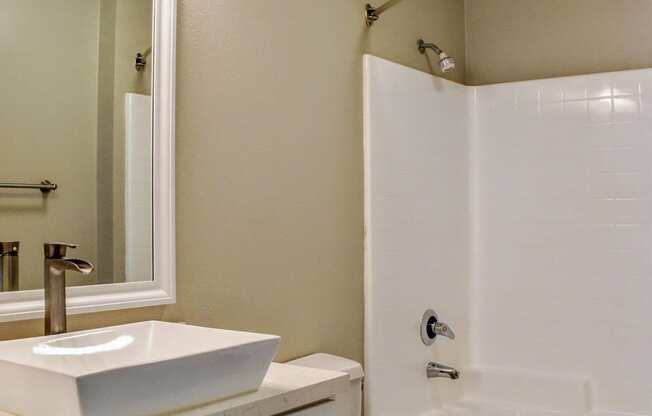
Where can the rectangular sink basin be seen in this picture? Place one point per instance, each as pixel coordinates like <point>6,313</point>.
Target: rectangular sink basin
<point>140,369</point>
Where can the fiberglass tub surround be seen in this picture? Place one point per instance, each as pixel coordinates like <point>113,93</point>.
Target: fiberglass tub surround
<point>522,214</point>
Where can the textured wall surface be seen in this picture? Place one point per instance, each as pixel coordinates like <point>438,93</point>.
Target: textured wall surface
<point>269,164</point>
<point>105,92</point>
<point>515,40</point>
<point>270,161</point>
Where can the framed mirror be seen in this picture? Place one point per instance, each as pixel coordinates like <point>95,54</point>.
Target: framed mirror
<point>87,128</point>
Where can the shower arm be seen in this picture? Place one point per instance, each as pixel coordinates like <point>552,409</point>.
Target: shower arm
<point>141,59</point>
<point>423,46</point>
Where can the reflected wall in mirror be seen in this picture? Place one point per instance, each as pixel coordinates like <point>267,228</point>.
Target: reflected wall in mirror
<point>76,110</point>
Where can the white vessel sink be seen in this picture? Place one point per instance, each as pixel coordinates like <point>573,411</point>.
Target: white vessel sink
<point>139,369</point>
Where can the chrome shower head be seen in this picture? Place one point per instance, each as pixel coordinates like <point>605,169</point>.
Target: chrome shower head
<point>446,63</point>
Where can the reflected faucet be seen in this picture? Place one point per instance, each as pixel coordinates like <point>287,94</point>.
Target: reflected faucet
<point>56,264</point>
<point>436,370</point>
<point>9,266</point>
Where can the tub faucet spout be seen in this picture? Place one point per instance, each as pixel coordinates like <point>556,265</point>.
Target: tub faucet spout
<point>436,370</point>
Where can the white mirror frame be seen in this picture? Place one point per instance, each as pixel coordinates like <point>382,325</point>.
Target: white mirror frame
<point>162,289</point>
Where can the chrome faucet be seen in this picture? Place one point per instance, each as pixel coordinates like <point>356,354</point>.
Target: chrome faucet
<point>436,370</point>
<point>56,264</point>
<point>9,266</point>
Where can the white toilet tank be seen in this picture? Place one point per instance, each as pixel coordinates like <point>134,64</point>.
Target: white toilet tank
<point>350,402</point>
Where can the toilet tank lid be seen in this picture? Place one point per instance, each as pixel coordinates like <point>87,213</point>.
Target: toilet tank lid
<point>332,363</point>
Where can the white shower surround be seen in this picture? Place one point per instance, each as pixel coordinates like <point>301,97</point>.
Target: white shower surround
<point>522,213</point>
<point>138,145</point>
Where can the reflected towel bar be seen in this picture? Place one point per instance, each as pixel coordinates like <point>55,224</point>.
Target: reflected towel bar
<point>45,186</point>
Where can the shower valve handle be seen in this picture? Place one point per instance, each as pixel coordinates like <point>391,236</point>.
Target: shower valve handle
<point>440,328</point>
<point>431,327</point>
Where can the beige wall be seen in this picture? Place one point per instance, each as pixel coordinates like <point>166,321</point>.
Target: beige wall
<point>512,40</point>
<point>105,92</point>
<point>48,127</point>
<point>269,148</point>
<point>269,164</point>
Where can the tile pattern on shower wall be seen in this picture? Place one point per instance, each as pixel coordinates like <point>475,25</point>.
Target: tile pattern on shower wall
<point>563,199</point>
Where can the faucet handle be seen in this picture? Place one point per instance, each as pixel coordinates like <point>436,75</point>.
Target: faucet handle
<point>56,250</point>
<point>431,327</point>
<point>443,329</point>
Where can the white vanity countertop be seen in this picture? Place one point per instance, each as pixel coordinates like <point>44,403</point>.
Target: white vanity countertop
<point>286,387</point>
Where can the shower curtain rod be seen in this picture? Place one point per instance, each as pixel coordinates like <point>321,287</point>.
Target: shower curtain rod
<point>373,13</point>
<point>141,59</point>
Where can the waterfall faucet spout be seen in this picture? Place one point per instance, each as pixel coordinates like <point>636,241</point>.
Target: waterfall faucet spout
<point>55,266</point>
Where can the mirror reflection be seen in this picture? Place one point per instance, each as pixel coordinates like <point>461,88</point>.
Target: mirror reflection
<point>75,128</point>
